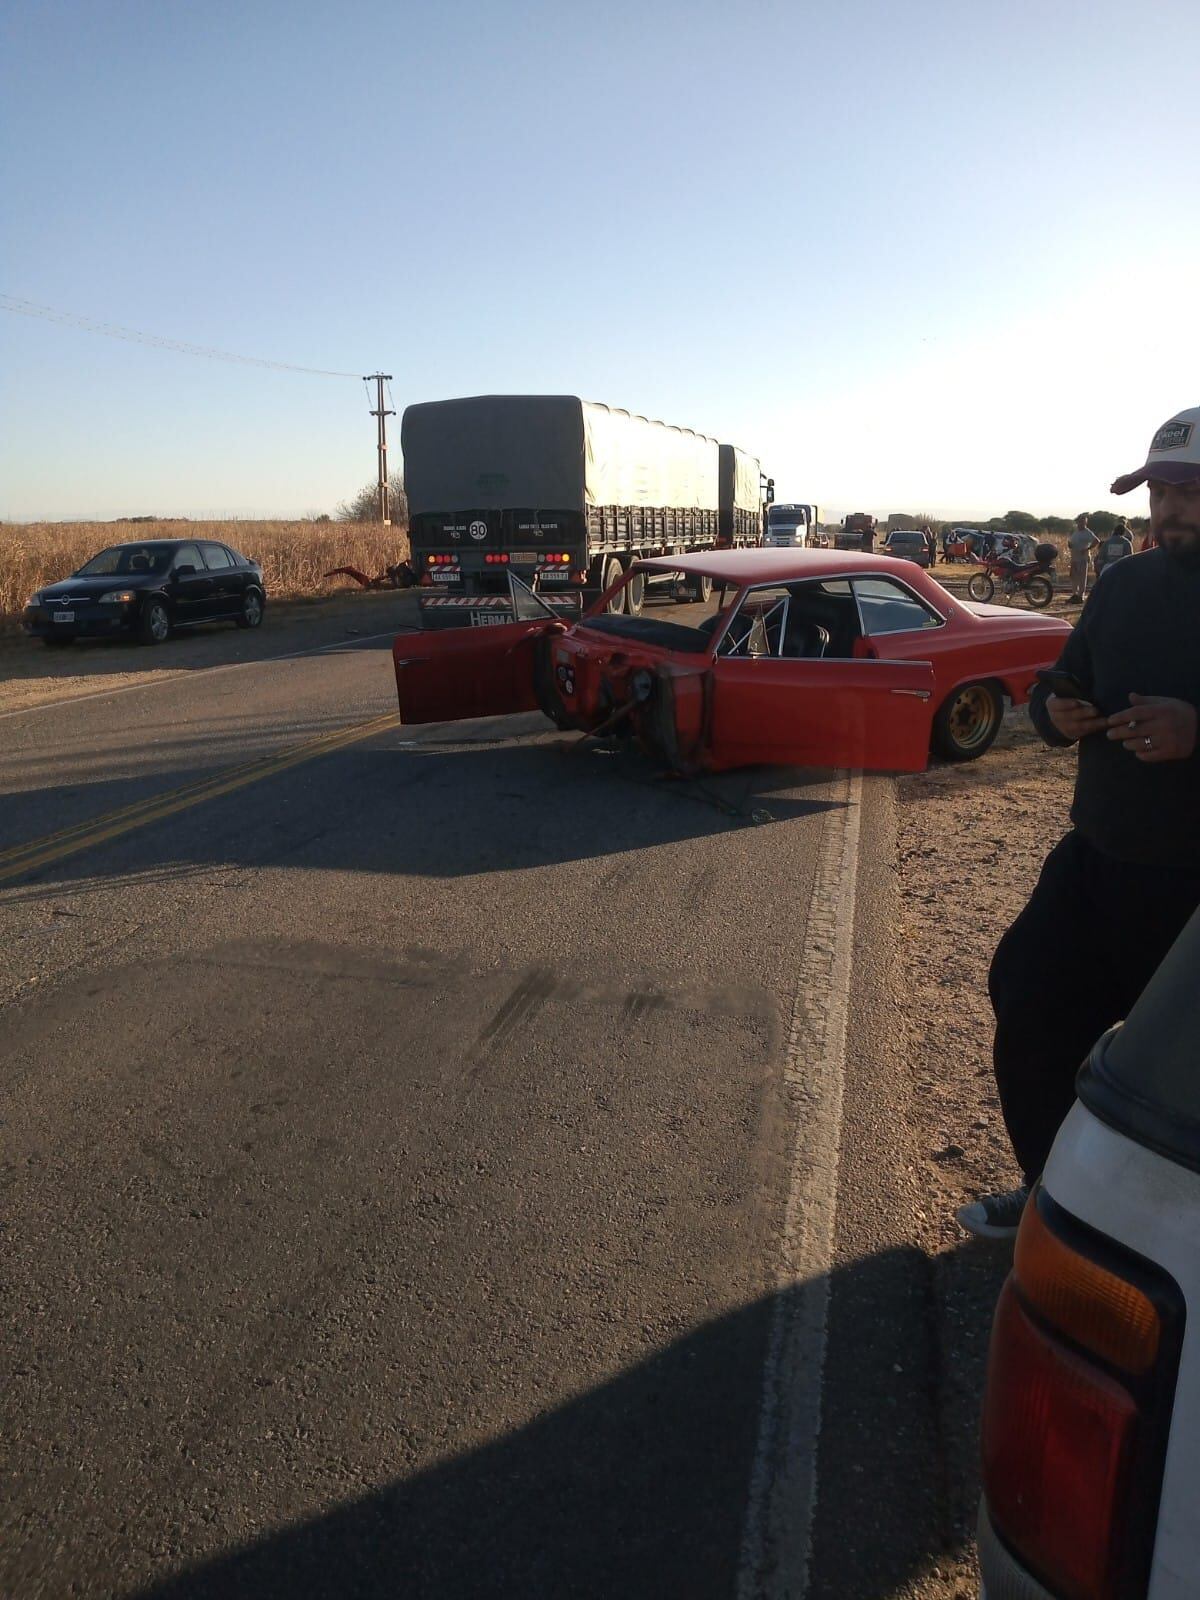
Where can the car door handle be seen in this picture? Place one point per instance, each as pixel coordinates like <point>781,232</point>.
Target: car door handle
<point>917,694</point>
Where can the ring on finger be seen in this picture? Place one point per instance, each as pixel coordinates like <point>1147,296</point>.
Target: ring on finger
<point>1147,743</point>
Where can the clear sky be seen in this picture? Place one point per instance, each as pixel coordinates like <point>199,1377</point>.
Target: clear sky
<point>937,255</point>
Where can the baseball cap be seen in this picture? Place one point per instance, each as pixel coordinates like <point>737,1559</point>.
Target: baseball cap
<point>1174,454</point>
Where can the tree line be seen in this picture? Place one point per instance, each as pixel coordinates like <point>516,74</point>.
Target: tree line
<point>1101,522</point>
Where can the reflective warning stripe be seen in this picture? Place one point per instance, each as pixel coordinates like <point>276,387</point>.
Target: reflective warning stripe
<point>464,600</point>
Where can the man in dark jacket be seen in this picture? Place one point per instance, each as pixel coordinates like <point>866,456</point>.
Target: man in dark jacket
<point>1116,891</point>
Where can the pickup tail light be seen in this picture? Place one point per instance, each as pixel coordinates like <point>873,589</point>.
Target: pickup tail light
<point>1081,1375</point>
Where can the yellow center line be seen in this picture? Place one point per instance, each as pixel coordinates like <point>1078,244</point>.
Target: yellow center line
<point>53,847</point>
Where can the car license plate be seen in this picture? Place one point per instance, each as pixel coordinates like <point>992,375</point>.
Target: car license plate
<point>64,616</point>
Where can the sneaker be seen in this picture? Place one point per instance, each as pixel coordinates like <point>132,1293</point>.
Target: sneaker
<point>996,1216</point>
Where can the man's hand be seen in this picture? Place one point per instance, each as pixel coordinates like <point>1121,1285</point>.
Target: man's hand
<point>1155,728</point>
<point>1074,719</point>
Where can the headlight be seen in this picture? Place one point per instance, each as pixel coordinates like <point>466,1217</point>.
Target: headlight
<point>117,597</point>
<point>34,599</point>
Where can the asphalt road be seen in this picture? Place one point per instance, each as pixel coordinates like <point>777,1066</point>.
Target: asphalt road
<point>421,1156</point>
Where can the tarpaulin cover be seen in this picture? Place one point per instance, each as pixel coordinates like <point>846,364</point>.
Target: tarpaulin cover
<point>740,479</point>
<point>555,452</point>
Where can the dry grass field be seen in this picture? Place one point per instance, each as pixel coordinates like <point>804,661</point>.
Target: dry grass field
<point>293,554</point>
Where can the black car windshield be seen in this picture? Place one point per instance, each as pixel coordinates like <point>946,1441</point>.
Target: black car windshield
<point>127,560</point>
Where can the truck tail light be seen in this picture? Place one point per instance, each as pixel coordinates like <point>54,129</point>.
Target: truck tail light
<point>496,558</point>
<point>1081,1374</point>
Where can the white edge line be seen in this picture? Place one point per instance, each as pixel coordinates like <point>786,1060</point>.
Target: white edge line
<point>198,672</point>
<point>777,1533</point>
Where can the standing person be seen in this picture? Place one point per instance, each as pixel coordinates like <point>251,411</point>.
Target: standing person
<point>1116,547</point>
<point>1081,543</point>
<point>1116,891</point>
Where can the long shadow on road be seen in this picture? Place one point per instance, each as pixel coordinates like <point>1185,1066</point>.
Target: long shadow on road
<point>438,813</point>
<point>639,1487</point>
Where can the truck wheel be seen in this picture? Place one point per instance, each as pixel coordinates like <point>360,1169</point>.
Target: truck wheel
<point>968,721</point>
<point>695,591</point>
<point>635,594</point>
<point>612,572</point>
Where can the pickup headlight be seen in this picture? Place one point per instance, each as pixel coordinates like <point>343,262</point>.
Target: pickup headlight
<point>118,597</point>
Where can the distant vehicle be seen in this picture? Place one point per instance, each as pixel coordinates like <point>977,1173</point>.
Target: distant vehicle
<point>790,526</point>
<point>148,589</point>
<point>851,533</point>
<point>1091,1418</point>
<point>909,544</point>
<point>821,659</point>
<point>565,493</point>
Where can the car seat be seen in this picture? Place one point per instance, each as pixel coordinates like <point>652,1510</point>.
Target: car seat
<point>806,639</point>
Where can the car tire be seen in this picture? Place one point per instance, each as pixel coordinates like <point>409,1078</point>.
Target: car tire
<point>981,586</point>
<point>635,594</point>
<point>1039,592</point>
<point>154,623</point>
<point>251,614</point>
<point>968,721</point>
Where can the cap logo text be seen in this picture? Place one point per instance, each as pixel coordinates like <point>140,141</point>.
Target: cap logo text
<point>1171,436</point>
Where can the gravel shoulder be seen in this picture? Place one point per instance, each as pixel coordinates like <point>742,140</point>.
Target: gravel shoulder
<point>971,842</point>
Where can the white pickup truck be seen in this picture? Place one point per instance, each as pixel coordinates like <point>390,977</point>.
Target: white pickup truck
<point>1091,1429</point>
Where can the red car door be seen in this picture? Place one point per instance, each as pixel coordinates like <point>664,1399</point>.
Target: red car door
<point>468,672</point>
<point>873,715</point>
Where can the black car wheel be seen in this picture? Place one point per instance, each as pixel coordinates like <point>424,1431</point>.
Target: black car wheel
<point>154,623</point>
<point>252,609</point>
<point>968,722</point>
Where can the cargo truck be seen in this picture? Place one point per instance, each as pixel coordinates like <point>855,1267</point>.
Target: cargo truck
<point>564,494</point>
<point>791,524</point>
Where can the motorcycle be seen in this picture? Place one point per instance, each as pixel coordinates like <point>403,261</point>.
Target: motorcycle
<point>1032,579</point>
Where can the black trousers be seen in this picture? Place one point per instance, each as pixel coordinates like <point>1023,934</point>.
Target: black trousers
<point>1071,966</point>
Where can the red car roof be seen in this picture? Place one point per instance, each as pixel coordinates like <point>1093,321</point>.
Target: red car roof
<point>778,566</point>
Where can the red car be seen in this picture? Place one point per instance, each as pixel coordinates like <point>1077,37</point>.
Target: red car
<point>815,658</point>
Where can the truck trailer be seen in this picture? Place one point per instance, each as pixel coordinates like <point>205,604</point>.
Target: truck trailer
<point>564,494</point>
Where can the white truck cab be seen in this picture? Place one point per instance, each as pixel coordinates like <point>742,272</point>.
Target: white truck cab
<point>790,525</point>
<point>1091,1428</point>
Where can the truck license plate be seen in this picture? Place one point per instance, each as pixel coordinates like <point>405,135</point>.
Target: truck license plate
<point>524,555</point>
<point>445,575</point>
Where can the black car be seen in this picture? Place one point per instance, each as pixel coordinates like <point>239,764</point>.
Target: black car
<point>148,589</point>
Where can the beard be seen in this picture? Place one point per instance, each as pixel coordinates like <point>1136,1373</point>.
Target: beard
<point>1181,544</point>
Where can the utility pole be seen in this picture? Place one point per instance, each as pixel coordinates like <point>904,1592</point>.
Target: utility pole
<point>379,379</point>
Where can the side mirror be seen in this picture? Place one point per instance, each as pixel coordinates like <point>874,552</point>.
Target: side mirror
<point>186,571</point>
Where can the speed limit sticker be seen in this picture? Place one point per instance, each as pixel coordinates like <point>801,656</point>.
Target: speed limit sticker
<point>478,530</point>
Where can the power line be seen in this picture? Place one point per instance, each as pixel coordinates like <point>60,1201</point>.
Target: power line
<point>29,308</point>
